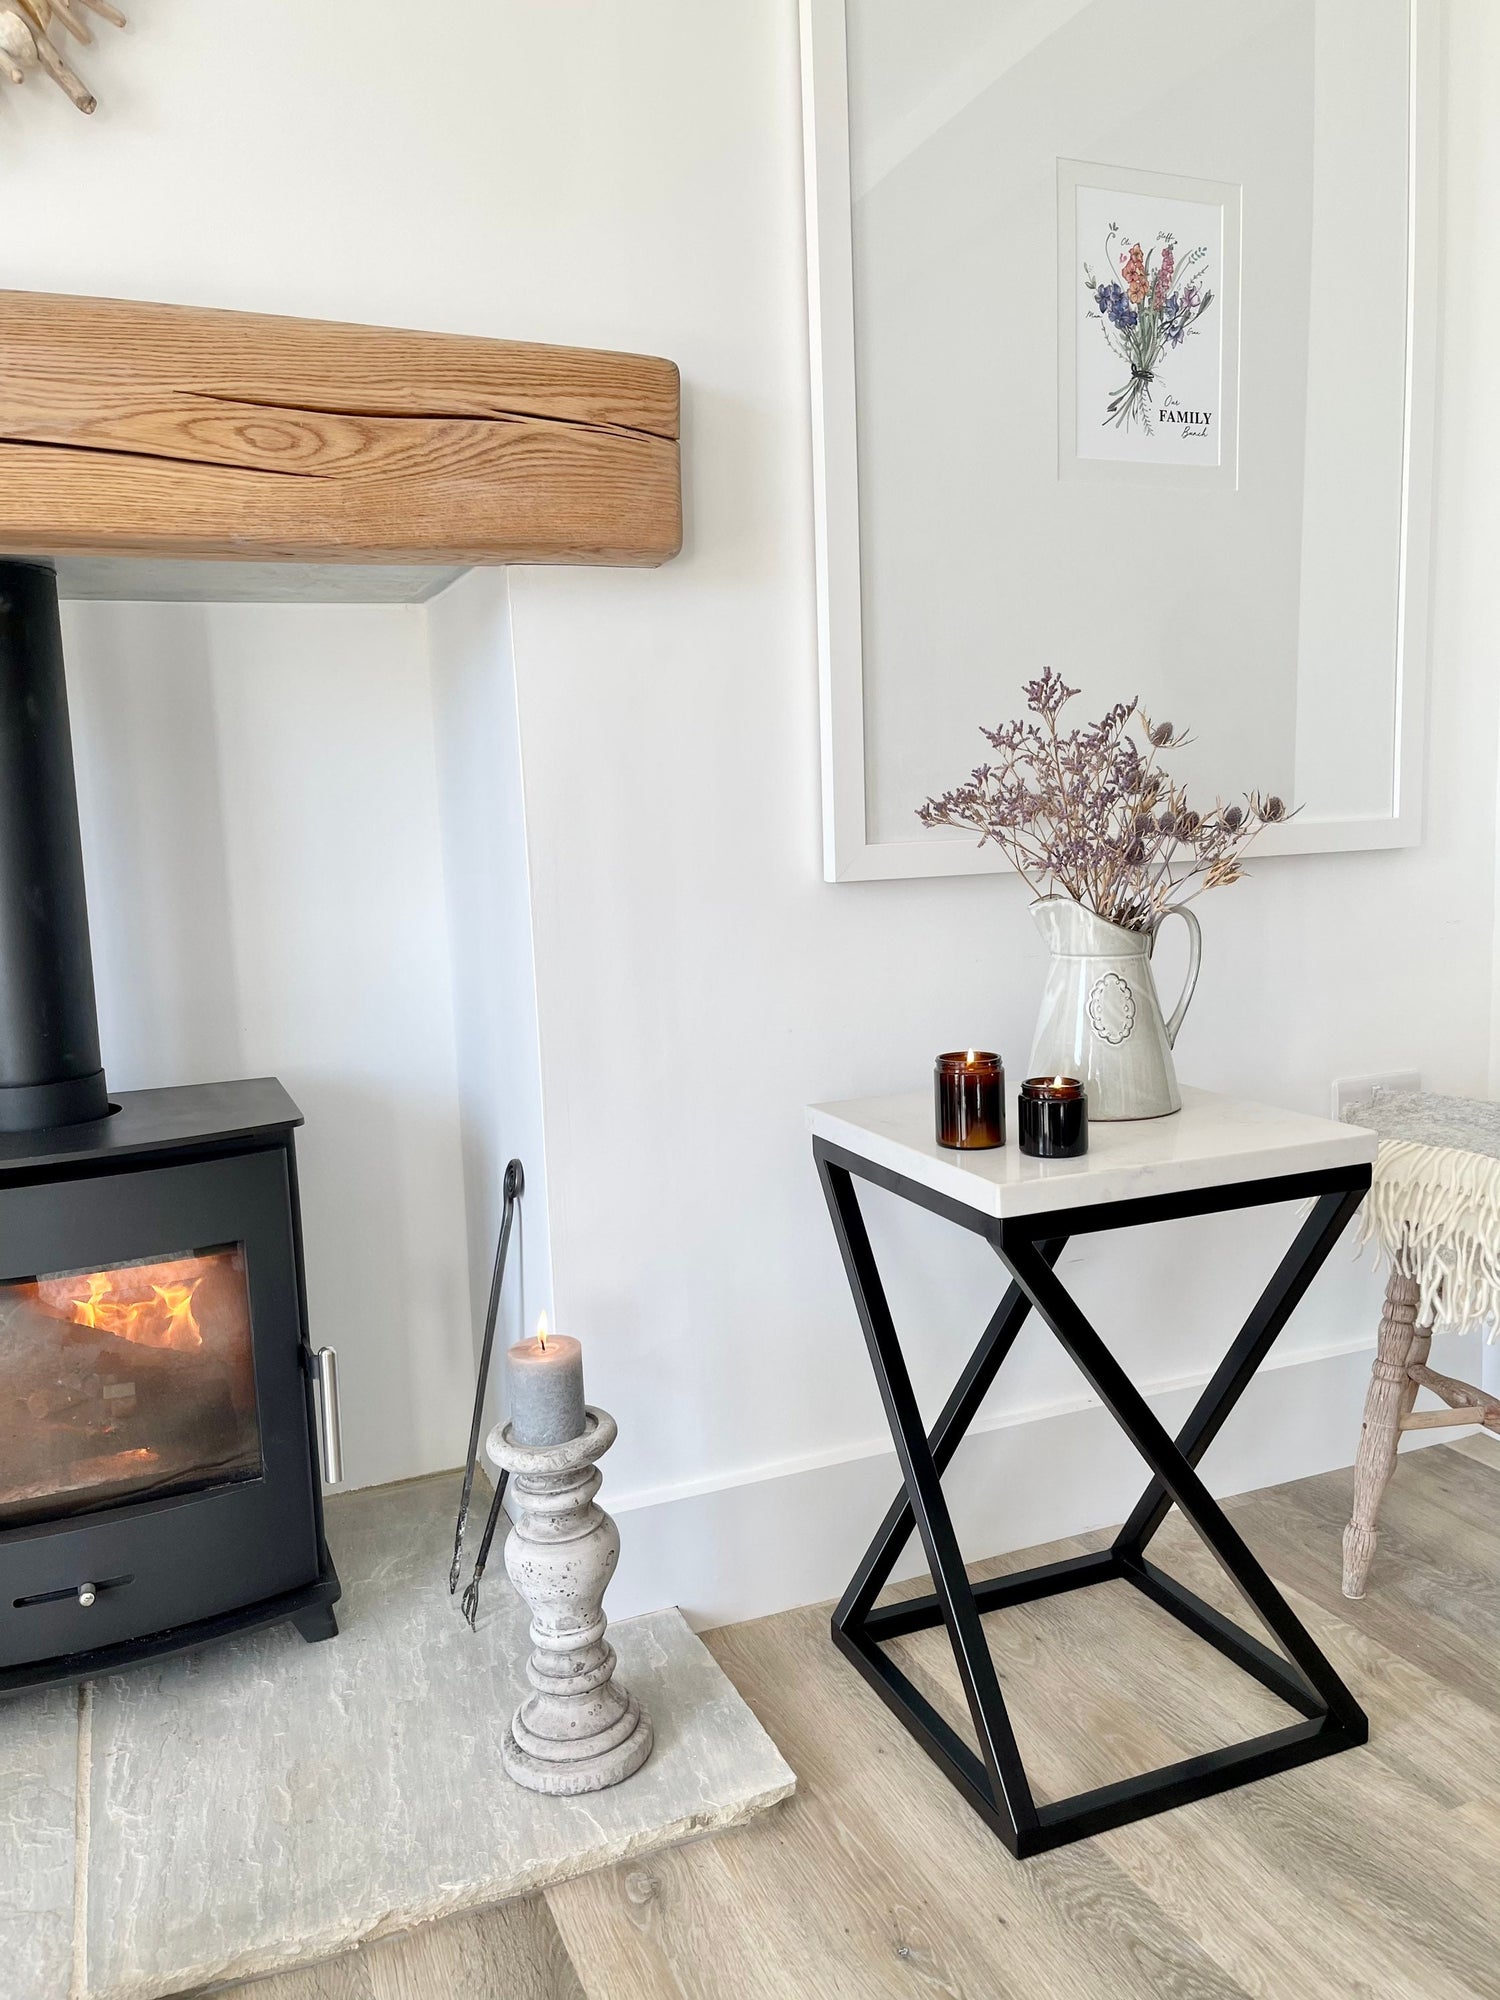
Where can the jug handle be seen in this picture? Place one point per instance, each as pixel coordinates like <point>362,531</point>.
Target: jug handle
<point>1195,954</point>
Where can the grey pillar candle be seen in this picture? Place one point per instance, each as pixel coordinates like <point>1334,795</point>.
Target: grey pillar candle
<point>546,1388</point>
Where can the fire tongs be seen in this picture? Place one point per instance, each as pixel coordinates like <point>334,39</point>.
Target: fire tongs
<point>515,1187</point>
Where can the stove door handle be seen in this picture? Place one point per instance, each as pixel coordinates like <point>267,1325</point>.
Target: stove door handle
<point>330,1430</point>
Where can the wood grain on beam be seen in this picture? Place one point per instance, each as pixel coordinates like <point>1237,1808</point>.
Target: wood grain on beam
<point>131,429</point>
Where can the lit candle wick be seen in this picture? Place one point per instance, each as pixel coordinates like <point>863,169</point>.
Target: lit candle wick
<point>970,1057</point>
<point>541,1332</point>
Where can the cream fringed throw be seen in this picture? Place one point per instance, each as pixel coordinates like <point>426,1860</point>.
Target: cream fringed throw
<point>1434,1208</point>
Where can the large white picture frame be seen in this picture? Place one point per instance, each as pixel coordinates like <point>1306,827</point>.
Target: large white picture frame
<point>850,851</point>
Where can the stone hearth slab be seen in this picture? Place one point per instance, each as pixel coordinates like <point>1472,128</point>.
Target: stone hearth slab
<point>38,1839</point>
<point>265,1802</point>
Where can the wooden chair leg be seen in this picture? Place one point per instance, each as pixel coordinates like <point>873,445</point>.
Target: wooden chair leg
<point>1402,1346</point>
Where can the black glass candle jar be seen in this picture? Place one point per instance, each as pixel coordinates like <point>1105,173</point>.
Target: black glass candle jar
<point>968,1087</point>
<point>1053,1115</point>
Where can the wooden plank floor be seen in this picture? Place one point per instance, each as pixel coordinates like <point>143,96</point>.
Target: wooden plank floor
<point>1373,1874</point>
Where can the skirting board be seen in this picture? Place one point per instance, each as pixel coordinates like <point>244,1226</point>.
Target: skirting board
<point>790,1535</point>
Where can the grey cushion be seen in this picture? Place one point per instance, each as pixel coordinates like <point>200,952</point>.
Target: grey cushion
<point>1423,1118</point>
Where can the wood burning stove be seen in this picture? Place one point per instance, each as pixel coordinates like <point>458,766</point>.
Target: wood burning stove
<point>158,1426</point>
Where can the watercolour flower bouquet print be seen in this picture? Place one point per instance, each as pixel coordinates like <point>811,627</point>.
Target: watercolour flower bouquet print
<point>1145,315</point>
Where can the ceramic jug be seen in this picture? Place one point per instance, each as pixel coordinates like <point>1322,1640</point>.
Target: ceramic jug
<point>1100,1017</point>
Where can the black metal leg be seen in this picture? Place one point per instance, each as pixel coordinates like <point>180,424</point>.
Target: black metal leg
<point>998,1787</point>
<point>1010,1789</point>
<point>1330,1216</point>
<point>960,1410</point>
<point>319,1621</point>
<point>1177,1477</point>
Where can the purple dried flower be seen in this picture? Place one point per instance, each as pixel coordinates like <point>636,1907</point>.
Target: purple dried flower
<point>1083,813</point>
<point>1046,695</point>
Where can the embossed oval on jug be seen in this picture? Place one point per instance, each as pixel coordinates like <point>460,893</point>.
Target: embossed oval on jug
<point>1112,1008</point>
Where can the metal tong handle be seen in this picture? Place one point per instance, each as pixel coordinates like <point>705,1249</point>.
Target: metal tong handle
<point>515,1187</point>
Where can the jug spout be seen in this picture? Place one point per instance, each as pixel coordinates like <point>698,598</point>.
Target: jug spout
<point>1047,915</point>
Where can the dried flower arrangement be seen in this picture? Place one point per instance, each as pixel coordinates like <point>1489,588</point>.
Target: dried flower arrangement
<point>1089,814</point>
<point>24,42</point>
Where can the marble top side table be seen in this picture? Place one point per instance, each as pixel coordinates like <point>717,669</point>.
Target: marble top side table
<point>1215,1155</point>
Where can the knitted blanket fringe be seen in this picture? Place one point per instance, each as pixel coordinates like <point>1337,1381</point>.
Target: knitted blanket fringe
<point>1435,1212</point>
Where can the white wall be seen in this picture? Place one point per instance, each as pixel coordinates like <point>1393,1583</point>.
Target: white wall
<point>697,982</point>
<point>258,798</point>
<point>482,810</point>
<point>1474,210</point>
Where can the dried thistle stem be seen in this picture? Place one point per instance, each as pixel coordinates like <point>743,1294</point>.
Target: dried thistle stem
<point>1090,813</point>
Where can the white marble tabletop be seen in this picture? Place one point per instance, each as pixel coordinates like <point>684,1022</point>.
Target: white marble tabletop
<point>1212,1142</point>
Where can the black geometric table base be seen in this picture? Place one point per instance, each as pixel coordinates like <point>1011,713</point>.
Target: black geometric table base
<point>995,1782</point>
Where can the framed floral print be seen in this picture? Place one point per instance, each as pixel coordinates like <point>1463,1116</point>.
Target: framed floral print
<point>1148,316</point>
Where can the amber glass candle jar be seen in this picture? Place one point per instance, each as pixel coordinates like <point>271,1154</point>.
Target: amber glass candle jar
<point>969,1098</point>
<point>1052,1113</point>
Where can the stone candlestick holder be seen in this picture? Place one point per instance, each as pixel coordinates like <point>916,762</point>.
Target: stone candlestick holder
<point>579,1730</point>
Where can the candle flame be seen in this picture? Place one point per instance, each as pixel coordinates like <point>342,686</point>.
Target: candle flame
<point>1058,1082</point>
<point>541,1332</point>
<point>971,1057</point>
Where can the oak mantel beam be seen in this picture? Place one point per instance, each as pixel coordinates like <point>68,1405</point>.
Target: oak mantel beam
<point>150,430</point>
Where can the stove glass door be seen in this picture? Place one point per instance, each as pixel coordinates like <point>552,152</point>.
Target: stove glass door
<point>129,1382</point>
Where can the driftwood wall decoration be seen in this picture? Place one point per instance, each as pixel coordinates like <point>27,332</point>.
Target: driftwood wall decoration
<point>26,28</point>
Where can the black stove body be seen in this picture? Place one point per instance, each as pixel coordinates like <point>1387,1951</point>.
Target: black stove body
<point>159,1427</point>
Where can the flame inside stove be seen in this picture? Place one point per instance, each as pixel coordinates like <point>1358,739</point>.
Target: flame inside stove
<point>149,1305</point>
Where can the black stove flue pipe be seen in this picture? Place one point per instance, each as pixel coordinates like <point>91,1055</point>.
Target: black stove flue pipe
<point>50,1069</point>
